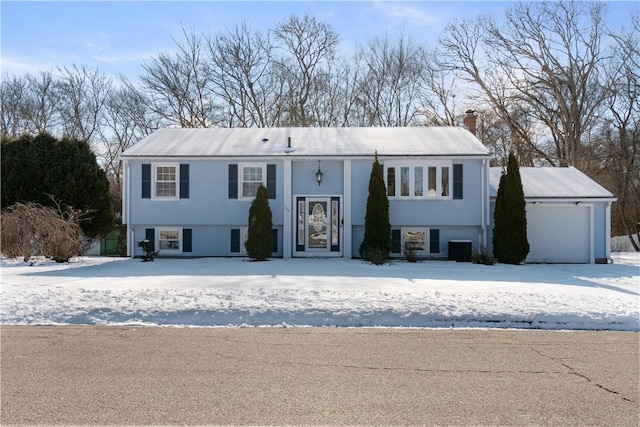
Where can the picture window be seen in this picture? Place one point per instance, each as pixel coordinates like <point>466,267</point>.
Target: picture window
<point>418,181</point>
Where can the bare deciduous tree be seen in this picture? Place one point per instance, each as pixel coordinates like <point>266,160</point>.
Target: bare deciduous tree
<point>438,91</point>
<point>332,100</point>
<point>179,85</point>
<point>81,94</point>
<point>30,229</point>
<point>126,119</point>
<point>545,56</point>
<point>41,108</point>
<point>389,89</point>
<point>13,99</point>
<point>463,51</point>
<point>551,55</point>
<point>240,70</point>
<point>618,139</point>
<point>308,47</point>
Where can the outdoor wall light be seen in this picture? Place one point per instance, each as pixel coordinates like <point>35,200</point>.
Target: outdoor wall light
<point>319,174</point>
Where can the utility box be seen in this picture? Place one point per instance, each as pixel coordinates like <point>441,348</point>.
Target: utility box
<point>460,250</point>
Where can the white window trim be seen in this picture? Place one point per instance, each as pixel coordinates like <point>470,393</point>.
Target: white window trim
<point>169,251</point>
<point>241,167</point>
<point>438,164</point>
<point>154,176</point>
<point>404,230</point>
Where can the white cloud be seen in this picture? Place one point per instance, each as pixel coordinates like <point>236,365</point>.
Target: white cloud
<point>408,13</point>
<point>84,41</point>
<point>117,58</point>
<point>17,65</point>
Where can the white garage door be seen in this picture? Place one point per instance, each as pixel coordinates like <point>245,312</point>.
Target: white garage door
<point>558,233</point>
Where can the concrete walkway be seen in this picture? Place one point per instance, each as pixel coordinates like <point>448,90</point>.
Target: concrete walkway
<point>317,376</point>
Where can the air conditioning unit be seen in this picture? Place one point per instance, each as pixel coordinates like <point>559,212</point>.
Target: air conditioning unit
<point>460,250</point>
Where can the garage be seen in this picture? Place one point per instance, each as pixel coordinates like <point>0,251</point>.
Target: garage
<point>568,215</point>
<point>560,234</point>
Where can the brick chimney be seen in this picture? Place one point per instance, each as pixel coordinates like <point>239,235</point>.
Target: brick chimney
<point>469,121</point>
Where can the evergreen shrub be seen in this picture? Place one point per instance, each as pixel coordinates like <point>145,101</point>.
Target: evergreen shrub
<point>259,242</point>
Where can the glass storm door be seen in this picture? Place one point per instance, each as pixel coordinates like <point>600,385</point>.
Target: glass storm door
<point>318,224</point>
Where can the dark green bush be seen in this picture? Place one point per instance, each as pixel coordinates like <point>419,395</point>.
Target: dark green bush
<point>510,244</point>
<point>376,244</point>
<point>149,253</point>
<point>259,242</point>
<point>482,257</point>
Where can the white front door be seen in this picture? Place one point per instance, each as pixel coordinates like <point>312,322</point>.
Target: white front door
<point>318,226</point>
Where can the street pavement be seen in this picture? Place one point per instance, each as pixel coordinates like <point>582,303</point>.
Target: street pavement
<point>86,375</point>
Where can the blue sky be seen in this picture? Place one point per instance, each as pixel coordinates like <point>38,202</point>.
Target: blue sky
<point>118,36</point>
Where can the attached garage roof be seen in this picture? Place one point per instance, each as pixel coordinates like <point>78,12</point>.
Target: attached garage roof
<point>339,142</point>
<point>556,183</point>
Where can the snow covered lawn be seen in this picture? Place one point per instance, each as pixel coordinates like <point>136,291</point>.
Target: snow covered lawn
<point>322,292</point>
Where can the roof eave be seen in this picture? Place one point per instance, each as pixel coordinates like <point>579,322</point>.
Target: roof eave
<point>301,156</point>
<point>566,199</point>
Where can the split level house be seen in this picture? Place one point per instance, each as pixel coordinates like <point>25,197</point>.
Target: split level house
<point>188,191</point>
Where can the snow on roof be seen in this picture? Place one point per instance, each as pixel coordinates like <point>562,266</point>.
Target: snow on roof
<point>552,182</point>
<point>268,142</point>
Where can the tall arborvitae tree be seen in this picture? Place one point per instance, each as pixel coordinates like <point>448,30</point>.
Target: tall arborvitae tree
<point>49,172</point>
<point>510,244</point>
<point>259,242</point>
<point>377,229</point>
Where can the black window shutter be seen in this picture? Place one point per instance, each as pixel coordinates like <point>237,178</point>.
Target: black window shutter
<point>187,235</point>
<point>457,181</point>
<point>271,181</point>
<point>434,241</point>
<point>146,181</point>
<point>235,240</point>
<point>233,182</point>
<point>150,235</point>
<point>274,240</point>
<point>396,241</point>
<point>184,181</point>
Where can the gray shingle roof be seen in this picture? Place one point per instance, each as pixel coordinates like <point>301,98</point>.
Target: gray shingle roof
<point>342,142</point>
<point>550,182</point>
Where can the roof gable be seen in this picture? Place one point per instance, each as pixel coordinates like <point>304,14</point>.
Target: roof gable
<point>552,182</point>
<point>268,142</point>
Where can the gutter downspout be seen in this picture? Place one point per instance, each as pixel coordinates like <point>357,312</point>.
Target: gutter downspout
<point>485,196</point>
<point>607,233</point>
<point>126,206</point>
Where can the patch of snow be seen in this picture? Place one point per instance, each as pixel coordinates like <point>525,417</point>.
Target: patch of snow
<point>622,243</point>
<point>321,292</point>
